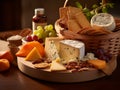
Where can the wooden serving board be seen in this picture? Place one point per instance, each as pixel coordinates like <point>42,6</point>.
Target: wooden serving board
<point>63,77</point>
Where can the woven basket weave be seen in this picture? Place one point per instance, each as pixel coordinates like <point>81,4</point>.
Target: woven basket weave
<point>110,42</point>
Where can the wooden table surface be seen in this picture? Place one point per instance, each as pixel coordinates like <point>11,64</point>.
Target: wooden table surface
<point>14,79</point>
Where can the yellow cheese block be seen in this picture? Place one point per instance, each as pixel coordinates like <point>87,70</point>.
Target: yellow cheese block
<point>57,66</point>
<point>33,55</point>
<point>99,64</point>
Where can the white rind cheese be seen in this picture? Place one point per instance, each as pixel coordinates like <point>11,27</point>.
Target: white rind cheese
<point>71,50</point>
<point>104,20</point>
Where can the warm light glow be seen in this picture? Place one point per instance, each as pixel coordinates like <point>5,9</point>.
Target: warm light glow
<point>65,3</point>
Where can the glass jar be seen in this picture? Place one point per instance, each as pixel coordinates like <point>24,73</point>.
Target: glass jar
<point>39,18</point>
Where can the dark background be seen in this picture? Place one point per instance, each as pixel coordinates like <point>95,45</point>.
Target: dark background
<point>17,14</point>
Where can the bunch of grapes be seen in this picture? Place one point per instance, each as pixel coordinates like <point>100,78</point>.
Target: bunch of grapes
<point>102,54</point>
<point>41,33</point>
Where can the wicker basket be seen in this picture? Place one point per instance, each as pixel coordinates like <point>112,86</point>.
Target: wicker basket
<point>110,42</point>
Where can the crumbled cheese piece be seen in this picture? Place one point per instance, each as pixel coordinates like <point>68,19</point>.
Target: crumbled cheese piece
<point>89,56</point>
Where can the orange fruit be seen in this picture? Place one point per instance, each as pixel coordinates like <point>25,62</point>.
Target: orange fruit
<point>4,64</point>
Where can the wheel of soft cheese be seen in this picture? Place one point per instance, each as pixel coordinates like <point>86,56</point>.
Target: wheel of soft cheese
<point>104,20</point>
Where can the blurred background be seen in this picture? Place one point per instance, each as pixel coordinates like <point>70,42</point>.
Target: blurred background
<point>17,14</point>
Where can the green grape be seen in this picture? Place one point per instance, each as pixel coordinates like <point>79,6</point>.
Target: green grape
<point>45,34</point>
<point>52,33</point>
<point>40,36</point>
<point>39,27</point>
<point>46,27</point>
<point>35,32</point>
<point>40,31</point>
<point>49,27</point>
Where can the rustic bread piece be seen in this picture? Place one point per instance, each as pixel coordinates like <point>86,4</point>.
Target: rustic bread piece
<point>75,21</point>
<point>72,11</point>
<point>73,26</point>
<point>82,20</point>
<point>63,12</point>
<point>73,18</point>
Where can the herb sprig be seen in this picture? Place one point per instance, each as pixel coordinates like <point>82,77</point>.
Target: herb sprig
<point>102,7</point>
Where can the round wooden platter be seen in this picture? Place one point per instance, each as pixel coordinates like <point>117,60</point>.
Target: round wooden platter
<point>62,77</point>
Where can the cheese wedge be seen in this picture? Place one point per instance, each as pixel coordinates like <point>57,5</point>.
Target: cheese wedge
<point>33,55</point>
<point>71,50</point>
<point>27,47</point>
<point>57,66</point>
<point>52,47</point>
<point>99,64</point>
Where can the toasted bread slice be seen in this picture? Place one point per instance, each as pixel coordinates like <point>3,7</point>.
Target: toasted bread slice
<point>82,20</point>
<point>73,26</point>
<point>72,11</point>
<point>63,12</point>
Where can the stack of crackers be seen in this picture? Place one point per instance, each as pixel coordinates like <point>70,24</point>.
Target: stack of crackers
<point>73,20</point>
